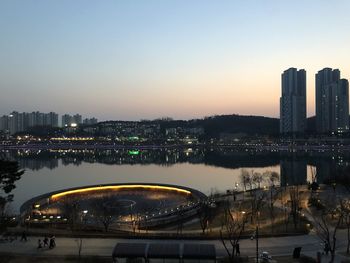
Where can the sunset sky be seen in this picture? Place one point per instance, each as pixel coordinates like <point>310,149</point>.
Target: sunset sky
<point>146,59</point>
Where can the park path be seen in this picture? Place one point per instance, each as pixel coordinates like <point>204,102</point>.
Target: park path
<point>276,246</point>
<point>104,246</point>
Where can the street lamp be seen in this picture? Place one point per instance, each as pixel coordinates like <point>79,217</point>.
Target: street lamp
<point>257,238</point>
<point>83,218</point>
<point>243,220</point>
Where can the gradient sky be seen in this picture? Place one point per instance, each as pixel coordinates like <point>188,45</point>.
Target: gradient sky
<point>147,59</point>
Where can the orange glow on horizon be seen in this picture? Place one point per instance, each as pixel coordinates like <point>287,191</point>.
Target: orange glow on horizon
<point>119,187</point>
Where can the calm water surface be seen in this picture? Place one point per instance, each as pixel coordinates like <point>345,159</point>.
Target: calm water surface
<point>205,170</point>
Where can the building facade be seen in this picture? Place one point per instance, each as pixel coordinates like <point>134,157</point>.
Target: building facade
<point>90,121</point>
<point>22,121</point>
<point>68,120</point>
<point>332,102</point>
<point>293,101</point>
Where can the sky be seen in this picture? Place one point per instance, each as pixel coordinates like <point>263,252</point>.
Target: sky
<point>131,60</point>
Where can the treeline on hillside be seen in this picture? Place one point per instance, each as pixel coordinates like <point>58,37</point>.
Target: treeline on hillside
<point>216,125</point>
<point>250,125</point>
<point>213,126</point>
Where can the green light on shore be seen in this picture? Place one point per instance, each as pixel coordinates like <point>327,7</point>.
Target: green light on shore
<point>134,152</point>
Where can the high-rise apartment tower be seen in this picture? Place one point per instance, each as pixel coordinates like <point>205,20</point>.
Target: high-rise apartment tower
<point>293,102</point>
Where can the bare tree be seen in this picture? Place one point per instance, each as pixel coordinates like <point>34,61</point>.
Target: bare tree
<point>326,225</point>
<point>205,215</point>
<point>274,191</point>
<point>71,209</point>
<point>105,210</point>
<point>257,199</point>
<point>295,204</point>
<point>232,229</point>
<point>245,178</point>
<point>257,179</point>
<point>345,210</point>
<point>73,213</point>
<point>253,180</point>
<point>180,222</point>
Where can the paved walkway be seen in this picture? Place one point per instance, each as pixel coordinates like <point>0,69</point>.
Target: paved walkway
<point>281,246</point>
<point>104,247</point>
<point>278,246</point>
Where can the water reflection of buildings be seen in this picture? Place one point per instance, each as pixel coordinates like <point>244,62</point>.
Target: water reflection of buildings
<point>329,166</point>
<point>32,160</point>
<point>226,158</point>
<point>35,165</point>
<point>293,171</point>
<point>293,166</point>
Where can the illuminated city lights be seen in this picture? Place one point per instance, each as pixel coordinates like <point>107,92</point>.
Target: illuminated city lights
<point>119,187</point>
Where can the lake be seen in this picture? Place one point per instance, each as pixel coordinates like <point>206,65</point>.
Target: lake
<point>207,170</point>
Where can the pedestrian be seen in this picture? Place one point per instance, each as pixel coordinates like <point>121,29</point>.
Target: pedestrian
<point>326,248</point>
<point>46,241</point>
<point>52,242</point>
<point>253,236</point>
<point>238,252</point>
<point>24,236</point>
<point>40,244</point>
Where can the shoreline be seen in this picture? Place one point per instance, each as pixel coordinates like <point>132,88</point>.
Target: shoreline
<point>113,146</point>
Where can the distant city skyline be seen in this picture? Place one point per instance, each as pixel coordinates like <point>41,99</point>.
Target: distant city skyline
<point>132,60</point>
<point>22,121</point>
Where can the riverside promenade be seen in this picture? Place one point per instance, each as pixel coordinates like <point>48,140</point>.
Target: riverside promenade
<point>104,246</point>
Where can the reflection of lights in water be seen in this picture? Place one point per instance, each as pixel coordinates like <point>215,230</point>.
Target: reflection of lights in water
<point>134,152</point>
<point>119,187</point>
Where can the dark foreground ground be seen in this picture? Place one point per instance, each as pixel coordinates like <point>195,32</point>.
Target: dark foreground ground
<point>94,259</point>
<point>55,259</point>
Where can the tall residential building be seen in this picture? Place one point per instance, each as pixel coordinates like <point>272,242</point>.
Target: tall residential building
<point>51,119</point>
<point>90,121</point>
<point>332,101</point>
<point>66,120</point>
<point>293,101</point>
<point>18,122</point>
<point>4,123</point>
<point>293,171</point>
<point>77,119</point>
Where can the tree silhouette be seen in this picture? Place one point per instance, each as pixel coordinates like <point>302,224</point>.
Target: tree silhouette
<point>10,172</point>
<point>232,229</point>
<point>105,211</point>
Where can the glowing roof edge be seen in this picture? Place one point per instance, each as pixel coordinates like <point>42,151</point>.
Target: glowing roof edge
<point>117,187</point>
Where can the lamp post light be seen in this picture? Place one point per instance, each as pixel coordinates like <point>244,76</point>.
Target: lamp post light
<point>257,238</point>
<point>257,243</point>
<point>131,212</point>
<point>243,219</point>
<point>83,218</point>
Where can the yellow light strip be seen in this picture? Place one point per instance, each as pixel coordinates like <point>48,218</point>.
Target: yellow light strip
<point>119,187</point>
